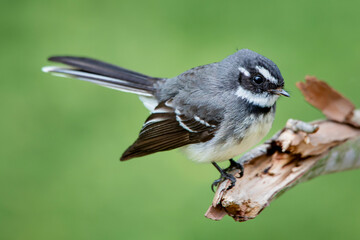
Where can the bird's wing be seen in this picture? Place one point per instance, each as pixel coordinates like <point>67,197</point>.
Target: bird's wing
<point>167,128</point>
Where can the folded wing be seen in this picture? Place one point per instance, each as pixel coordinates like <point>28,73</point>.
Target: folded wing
<point>167,128</point>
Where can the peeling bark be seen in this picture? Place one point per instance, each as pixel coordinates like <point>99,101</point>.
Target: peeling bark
<point>333,105</point>
<point>299,152</point>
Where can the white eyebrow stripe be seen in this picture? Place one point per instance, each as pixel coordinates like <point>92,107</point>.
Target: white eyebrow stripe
<point>259,99</point>
<point>244,71</point>
<point>267,74</point>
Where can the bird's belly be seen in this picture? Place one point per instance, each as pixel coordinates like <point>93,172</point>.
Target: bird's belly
<point>216,151</point>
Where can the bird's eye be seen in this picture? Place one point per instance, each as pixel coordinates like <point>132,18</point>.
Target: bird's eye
<point>258,79</point>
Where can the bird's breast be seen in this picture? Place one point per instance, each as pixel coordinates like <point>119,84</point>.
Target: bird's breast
<point>218,149</point>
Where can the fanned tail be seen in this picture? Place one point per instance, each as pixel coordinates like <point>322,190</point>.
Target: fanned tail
<point>103,74</point>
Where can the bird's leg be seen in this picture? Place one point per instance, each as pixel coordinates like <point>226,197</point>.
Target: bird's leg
<point>224,175</point>
<point>235,165</point>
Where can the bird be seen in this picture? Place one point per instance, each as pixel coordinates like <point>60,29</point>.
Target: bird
<point>212,112</point>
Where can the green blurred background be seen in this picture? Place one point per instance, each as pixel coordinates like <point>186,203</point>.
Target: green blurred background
<point>61,139</point>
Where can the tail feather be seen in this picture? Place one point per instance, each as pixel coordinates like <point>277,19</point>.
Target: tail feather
<point>104,74</point>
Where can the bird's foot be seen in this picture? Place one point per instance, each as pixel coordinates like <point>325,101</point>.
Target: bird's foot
<point>235,165</point>
<point>224,176</point>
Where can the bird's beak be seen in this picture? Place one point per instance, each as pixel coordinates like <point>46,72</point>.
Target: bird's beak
<point>280,92</point>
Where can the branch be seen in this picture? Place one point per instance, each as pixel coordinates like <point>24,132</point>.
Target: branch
<point>298,153</point>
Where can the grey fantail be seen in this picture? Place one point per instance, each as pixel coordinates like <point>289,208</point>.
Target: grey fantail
<point>213,112</point>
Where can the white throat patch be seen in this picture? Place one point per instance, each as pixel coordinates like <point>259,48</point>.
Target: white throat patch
<point>259,99</point>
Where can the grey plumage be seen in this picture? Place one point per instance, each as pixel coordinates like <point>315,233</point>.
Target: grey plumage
<point>214,112</point>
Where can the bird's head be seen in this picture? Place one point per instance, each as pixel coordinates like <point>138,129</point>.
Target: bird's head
<point>257,78</point>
